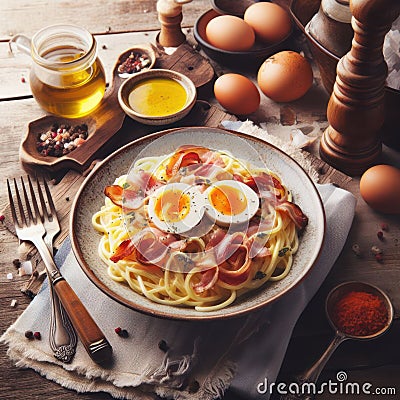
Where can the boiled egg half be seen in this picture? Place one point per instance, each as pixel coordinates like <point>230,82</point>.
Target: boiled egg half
<point>176,207</point>
<point>231,202</point>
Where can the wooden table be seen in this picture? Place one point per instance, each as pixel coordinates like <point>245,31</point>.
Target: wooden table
<point>119,24</point>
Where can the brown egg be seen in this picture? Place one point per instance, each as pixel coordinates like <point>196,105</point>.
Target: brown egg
<point>270,22</point>
<point>285,76</point>
<point>237,94</point>
<point>380,188</point>
<point>231,33</point>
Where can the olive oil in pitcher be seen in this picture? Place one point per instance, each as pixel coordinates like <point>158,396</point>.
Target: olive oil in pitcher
<point>67,78</point>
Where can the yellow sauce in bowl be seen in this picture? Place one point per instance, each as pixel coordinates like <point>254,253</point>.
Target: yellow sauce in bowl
<point>157,97</point>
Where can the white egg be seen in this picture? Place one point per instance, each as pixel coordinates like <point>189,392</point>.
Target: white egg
<point>176,207</point>
<point>231,202</point>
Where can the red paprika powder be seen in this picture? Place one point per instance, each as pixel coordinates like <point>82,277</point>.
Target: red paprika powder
<point>360,314</point>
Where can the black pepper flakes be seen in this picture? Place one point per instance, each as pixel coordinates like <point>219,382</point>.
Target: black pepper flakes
<point>16,263</point>
<point>259,275</point>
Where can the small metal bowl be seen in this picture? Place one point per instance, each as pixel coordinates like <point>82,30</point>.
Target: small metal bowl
<point>126,88</point>
<point>251,58</point>
<point>343,289</point>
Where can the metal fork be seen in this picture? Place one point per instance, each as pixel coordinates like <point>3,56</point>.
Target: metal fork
<point>30,228</point>
<point>62,336</point>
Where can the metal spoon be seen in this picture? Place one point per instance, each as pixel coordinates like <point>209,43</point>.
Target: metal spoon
<point>312,374</point>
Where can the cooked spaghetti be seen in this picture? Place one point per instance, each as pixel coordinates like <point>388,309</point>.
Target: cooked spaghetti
<point>198,228</point>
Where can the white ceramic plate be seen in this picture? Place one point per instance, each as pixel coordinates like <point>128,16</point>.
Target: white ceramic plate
<point>90,198</point>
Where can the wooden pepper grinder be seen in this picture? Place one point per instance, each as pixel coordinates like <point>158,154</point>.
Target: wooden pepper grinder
<point>170,17</point>
<point>352,141</point>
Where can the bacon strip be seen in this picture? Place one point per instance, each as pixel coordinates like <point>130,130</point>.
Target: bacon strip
<point>208,279</point>
<point>295,213</point>
<point>235,270</point>
<point>183,157</point>
<point>149,246</point>
<point>141,184</point>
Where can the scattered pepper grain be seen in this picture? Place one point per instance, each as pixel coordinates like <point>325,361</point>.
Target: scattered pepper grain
<point>163,346</point>
<point>384,226</point>
<point>37,335</point>
<point>380,235</point>
<point>356,249</point>
<point>29,334</point>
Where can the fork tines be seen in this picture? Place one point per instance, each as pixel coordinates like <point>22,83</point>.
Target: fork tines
<point>26,214</point>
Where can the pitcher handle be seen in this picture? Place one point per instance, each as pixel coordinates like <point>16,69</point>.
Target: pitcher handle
<point>20,43</point>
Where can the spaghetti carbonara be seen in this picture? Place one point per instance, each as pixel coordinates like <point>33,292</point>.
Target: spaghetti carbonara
<point>197,228</point>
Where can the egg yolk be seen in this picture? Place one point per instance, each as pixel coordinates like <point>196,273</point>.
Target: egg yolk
<point>172,206</point>
<point>228,200</point>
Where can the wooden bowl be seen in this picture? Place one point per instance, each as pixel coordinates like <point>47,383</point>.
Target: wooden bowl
<point>252,58</point>
<point>302,11</point>
<point>127,86</point>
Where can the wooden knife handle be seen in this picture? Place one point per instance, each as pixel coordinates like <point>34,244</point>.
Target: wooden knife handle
<point>88,331</point>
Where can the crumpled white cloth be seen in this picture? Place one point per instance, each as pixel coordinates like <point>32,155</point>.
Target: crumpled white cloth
<point>203,359</point>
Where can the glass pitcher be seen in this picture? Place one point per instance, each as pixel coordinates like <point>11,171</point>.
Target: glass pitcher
<point>66,77</point>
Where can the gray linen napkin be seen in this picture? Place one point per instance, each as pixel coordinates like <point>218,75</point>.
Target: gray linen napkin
<point>203,359</point>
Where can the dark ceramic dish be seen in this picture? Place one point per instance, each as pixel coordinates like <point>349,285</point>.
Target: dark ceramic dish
<point>252,58</point>
<point>302,11</point>
<point>232,7</point>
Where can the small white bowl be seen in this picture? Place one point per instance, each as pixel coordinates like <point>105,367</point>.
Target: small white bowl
<point>126,88</point>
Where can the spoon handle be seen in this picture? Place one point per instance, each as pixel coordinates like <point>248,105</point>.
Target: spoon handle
<point>312,374</point>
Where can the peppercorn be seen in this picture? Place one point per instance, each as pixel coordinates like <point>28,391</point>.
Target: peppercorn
<point>379,257</point>
<point>124,333</point>
<point>23,79</point>
<point>135,62</point>
<point>16,263</point>
<point>60,140</point>
<point>2,218</point>
<point>163,346</point>
<point>384,226</point>
<point>118,330</point>
<point>356,249</point>
<point>29,335</point>
<point>37,335</point>
<point>380,235</point>
<point>121,332</point>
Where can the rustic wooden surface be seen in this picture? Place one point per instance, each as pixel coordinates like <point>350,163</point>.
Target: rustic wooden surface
<point>120,24</point>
